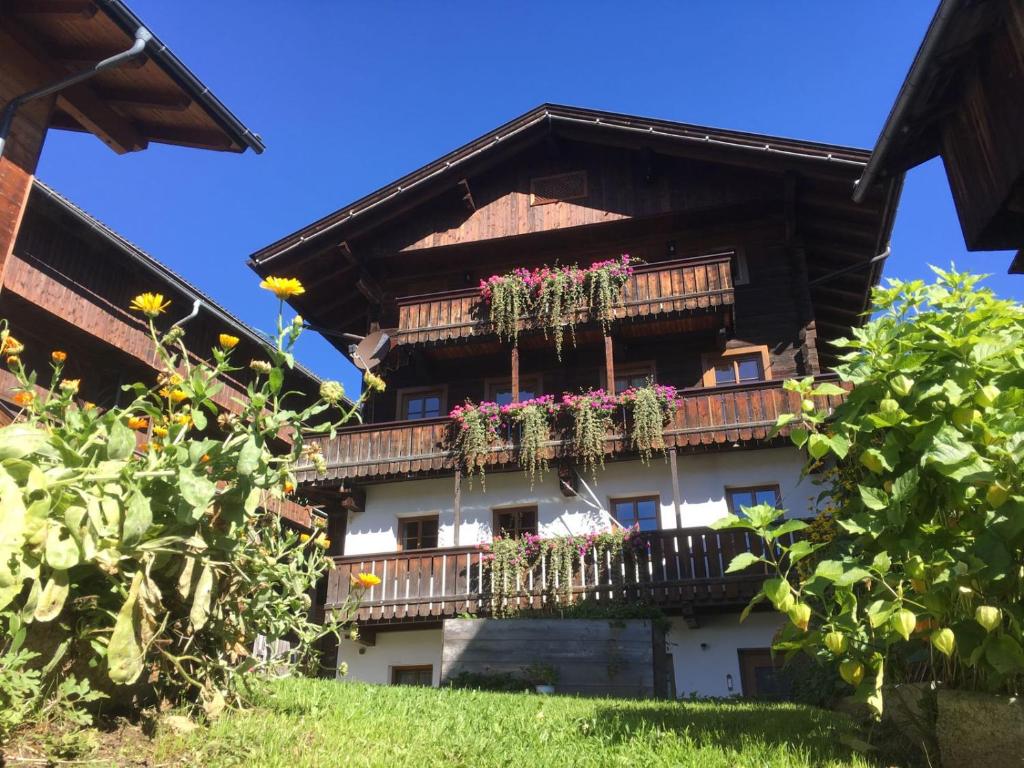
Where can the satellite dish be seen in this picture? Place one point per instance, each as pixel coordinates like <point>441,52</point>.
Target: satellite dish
<point>369,352</point>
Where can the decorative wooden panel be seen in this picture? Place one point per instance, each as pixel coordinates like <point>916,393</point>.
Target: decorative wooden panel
<point>672,568</point>
<point>706,417</point>
<point>674,287</point>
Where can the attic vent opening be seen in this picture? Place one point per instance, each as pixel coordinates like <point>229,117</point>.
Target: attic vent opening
<point>554,189</point>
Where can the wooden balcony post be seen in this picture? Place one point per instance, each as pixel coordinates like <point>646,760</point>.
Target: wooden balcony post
<point>457,506</point>
<point>515,374</point>
<point>674,469</point>
<point>609,364</point>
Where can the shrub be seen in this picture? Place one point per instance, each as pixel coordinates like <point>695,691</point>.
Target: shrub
<point>923,577</point>
<point>150,567</point>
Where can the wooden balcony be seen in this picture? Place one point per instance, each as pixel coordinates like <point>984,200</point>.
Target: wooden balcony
<point>706,417</point>
<point>679,570</point>
<point>656,290</point>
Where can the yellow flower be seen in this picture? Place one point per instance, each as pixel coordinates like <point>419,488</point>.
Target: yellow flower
<point>160,431</point>
<point>283,287</point>
<point>183,419</point>
<point>228,341</point>
<point>150,304</point>
<point>164,392</point>
<point>374,382</point>
<point>58,356</point>
<point>13,360</point>
<point>178,395</point>
<point>204,458</point>
<point>325,543</point>
<point>175,379</point>
<point>70,386</point>
<point>366,580</point>
<point>303,537</point>
<point>24,398</point>
<point>138,422</point>
<point>289,486</point>
<point>11,346</point>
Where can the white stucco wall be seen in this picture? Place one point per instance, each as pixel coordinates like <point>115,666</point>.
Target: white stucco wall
<point>706,670</point>
<point>372,664</point>
<point>702,482</point>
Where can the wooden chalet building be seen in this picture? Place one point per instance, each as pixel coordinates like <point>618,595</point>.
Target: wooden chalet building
<point>963,100</point>
<point>755,258</point>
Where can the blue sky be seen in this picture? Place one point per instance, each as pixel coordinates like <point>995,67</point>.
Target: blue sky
<point>349,96</point>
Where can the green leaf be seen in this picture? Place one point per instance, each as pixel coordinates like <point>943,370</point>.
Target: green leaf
<point>905,484</point>
<point>51,599</point>
<point>784,419</point>
<point>873,498</point>
<point>62,551</point>
<point>196,490</point>
<point>819,445</point>
<point>832,570</point>
<point>198,418</point>
<point>276,379</point>
<point>201,600</point>
<point>840,446</point>
<point>851,577</point>
<point>249,457</point>
<point>1005,655</point>
<point>799,436</point>
<point>801,549</point>
<point>828,389</point>
<point>790,526</point>
<point>947,448</point>
<point>776,590</point>
<point>125,655</point>
<point>120,441</point>
<point>882,562</point>
<point>18,440</point>
<point>742,561</point>
<point>138,517</point>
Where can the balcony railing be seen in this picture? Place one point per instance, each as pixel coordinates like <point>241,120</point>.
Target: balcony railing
<point>672,287</point>
<point>706,416</point>
<point>683,568</point>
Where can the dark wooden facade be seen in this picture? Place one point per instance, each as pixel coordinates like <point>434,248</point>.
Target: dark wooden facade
<point>963,100</point>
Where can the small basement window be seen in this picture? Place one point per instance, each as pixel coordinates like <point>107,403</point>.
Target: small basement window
<point>737,366</point>
<point>417,533</point>
<point>419,674</point>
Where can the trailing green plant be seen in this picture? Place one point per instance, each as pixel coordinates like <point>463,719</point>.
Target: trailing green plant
<point>533,421</point>
<point>652,408</point>
<point>496,681</point>
<point>477,431</point>
<point>147,566</point>
<point>923,577</point>
<point>553,298</point>
<point>550,564</point>
<point>510,298</point>
<point>560,299</point>
<point>591,415</point>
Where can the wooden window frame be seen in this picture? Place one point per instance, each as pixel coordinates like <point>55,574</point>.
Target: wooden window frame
<point>492,382</point>
<point>410,668</point>
<point>711,360</point>
<point>400,538</point>
<point>496,511</point>
<point>747,681</point>
<point>730,490</point>
<point>404,394</point>
<point>655,497</point>
<point>630,369</point>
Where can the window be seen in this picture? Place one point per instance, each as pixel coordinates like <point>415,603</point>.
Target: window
<point>737,366</point>
<point>421,674</point>
<point>628,376</point>
<point>740,274</point>
<point>738,498</point>
<point>515,522</point>
<point>642,511</point>
<point>417,533</point>
<point>421,403</point>
<point>760,674</point>
<point>500,390</point>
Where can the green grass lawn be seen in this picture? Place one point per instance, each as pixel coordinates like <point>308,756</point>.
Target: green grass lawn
<point>300,723</point>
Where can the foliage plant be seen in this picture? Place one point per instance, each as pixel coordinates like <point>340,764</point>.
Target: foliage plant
<point>550,564</point>
<point>136,549</point>
<point>532,420</point>
<point>477,430</point>
<point>923,577</point>
<point>591,414</point>
<point>651,408</point>
<point>553,298</point>
<point>560,298</point>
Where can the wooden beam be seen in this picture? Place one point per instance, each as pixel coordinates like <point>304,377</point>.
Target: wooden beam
<point>188,137</point>
<point>515,374</point>
<point>467,195</point>
<point>346,253</point>
<point>134,98</point>
<point>85,8</point>
<point>676,497</point>
<point>457,506</point>
<point>367,286</point>
<point>609,364</point>
<point>82,104</point>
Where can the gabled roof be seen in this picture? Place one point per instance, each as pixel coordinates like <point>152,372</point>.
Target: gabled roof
<point>538,120</point>
<point>153,97</point>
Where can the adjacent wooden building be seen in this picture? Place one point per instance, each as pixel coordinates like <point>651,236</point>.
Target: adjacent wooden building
<point>755,259</point>
<point>963,100</point>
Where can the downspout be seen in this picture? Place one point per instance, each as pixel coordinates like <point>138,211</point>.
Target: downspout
<point>196,304</point>
<point>142,36</point>
<point>853,267</point>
